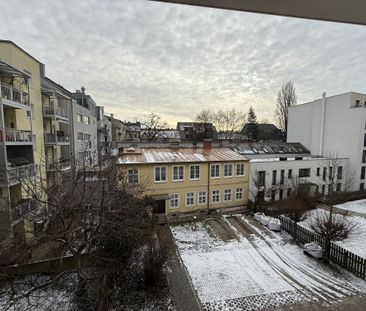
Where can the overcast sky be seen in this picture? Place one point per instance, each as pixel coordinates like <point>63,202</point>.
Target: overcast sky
<point>137,56</point>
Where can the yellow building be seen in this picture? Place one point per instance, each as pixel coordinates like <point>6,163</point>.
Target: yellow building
<point>187,181</point>
<point>21,134</point>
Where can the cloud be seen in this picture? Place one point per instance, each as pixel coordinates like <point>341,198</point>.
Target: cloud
<point>139,56</point>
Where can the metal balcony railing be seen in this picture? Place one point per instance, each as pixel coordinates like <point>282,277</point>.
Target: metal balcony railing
<point>13,94</point>
<point>12,135</point>
<point>50,138</point>
<point>16,174</point>
<point>58,166</point>
<point>55,111</point>
<point>23,209</point>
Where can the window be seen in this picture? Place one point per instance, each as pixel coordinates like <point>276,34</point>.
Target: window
<point>363,168</point>
<point>87,137</point>
<point>331,173</point>
<point>324,173</point>
<point>228,170</point>
<point>79,118</point>
<point>178,173</point>
<point>289,192</point>
<point>202,197</point>
<point>240,169</point>
<point>339,172</point>
<point>281,194</point>
<point>304,172</point>
<point>239,193</point>
<point>318,171</point>
<point>362,186</point>
<point>338,186</point>
<point>86,120</point>
<point>273,195</point>
<point>174,200</point>
<point>274,177</point>
<point>364,140</point>
<point>215,196</point>
<point>357,103</point>
<point>194,172</point>
<point>261,178</point>
<point>227,195</point>
<point>160,174</point>
<point>323,189</point>
<point>215,170</point>
<point>282,177</point>
<point>133,176</point>
<point>364,156</point>
<point>80,137</point>
<point>289,174</point>
<point>189,199</point>
<point>330,189</point>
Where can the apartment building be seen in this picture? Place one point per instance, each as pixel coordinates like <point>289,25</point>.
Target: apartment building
<point>56,108</point>
<point>21,136</point>
<point>186,181</point>
<point>104,132</point>
<point>84,128</point>
<point>333,125</point>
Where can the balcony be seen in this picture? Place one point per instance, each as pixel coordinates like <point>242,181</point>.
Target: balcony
<point>56,139</point>
<point>58,166</point>
<point>14,175</point>
<point>14,96</point>
<point>55,113</point>
<point>23,209</point>
<point>16,137</point>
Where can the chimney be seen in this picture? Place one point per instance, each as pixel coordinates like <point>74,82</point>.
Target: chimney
<point>83,89</point>
<point>207,144</point>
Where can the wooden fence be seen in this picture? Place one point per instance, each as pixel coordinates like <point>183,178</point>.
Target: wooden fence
<point>338,255</point>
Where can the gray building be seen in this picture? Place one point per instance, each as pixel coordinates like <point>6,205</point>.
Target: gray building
<point>84,128</point>
<point>104,134</point>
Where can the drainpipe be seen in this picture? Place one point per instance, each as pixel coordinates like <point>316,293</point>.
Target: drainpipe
<point>322,123</point>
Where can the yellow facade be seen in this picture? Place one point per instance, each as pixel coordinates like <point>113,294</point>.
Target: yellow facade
<point>183,189</point>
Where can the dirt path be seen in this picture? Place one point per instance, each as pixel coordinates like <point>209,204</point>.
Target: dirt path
<point>242,227</point>
<point>184,296</point>
<point>221,229</point>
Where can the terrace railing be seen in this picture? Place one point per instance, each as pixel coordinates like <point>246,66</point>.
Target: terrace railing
<point>13,94</point>
<point>12,135</point>
<point>16,174</point>
<point>58,166</point>
<point>55,111</point>
<point>23,209</point>
<point>51,138</point>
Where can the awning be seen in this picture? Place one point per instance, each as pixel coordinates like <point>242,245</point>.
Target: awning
<point>8,69</point>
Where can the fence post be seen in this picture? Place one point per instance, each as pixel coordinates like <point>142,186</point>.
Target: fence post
<point>345,259</point>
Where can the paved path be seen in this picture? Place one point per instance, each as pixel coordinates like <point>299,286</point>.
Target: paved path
<point>184,296</point>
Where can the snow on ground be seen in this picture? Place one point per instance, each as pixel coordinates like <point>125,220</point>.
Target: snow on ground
<point>259,272</point>
<point>358,206</point>
<point>355,243</point>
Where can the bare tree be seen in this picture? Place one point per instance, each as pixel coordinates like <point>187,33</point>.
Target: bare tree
<point>151,126</point>
<point>99,218</point>
<point>205,116</point>
<point>286,98</point>
<point>259,190</point>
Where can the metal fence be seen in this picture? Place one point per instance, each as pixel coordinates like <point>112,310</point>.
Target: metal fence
<point>338,255</point>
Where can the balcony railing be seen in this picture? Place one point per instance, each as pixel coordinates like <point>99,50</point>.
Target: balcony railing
<point>58,166</point>
<point>12,135</point>
<point>23,209</point>
<point>11,93</point>
<point>55,112</point>
<point>50,138</point>
<point>14,175</point>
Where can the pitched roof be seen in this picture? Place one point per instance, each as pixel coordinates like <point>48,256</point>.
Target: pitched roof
<point>179,155</point>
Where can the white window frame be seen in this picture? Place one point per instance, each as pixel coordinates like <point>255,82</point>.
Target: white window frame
<point>166,174</point>
<point>86,120</point>
<point>177,167</point>
<point>134,174</point>
<point>228,192</point>
<point>79,117</point>
<point>82,135</point>
<point>199,172</point>
<point>176,199</point>
<point>192,196</point>
<point>202,194</point>
<point>212,196</point>
<point>237,165</point>
<point>215,165</point>
<point>240,191</point>
<point>228,165</point>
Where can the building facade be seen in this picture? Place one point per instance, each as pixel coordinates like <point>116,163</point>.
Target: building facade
<point>104,133</point>
<point>333,126</point>
<point>187,181</point>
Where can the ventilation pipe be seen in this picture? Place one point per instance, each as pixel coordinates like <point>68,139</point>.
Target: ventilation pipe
<point>322,123</point>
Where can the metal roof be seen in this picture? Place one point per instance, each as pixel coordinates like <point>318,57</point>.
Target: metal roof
<point>179,155</point>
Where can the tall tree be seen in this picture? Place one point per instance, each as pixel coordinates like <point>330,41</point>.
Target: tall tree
<point>151,126</point>
<point>286,98</point>
<point>252,127</point>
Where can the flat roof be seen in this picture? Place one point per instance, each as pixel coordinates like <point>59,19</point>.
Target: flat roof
<point>178,155</point>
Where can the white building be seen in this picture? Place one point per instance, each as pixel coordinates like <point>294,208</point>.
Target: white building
<point>333,125</point>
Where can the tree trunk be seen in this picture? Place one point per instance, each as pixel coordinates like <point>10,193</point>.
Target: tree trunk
<point>327,251</point>
<point>106,288</point>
